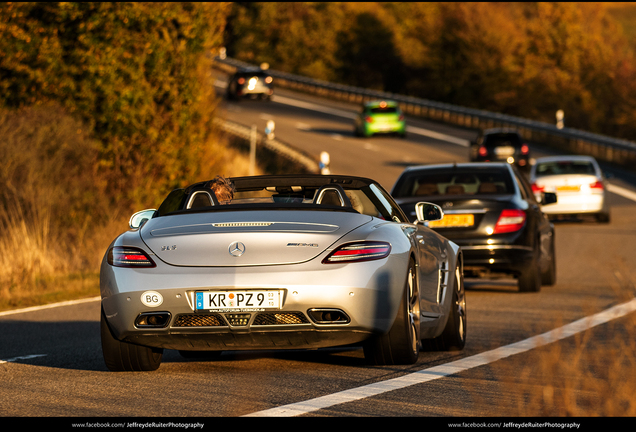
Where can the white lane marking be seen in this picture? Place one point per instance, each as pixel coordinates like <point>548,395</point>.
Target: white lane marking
<point>451,368</point>
<point>345,114</point>
<point>438,136</point>
<point>49,306</point>
<point>312,106</point>
<point>11,360</point>
<point>622,192</point>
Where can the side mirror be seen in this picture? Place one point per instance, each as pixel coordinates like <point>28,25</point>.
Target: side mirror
<point>141,217</point>
<point>548,198</point>
<point>428,212</point>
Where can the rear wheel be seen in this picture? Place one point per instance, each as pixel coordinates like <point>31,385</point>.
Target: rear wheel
<point>548,277</point>
<point>530,278</point>
<point>453,338</point>
<point>603,217</point>
<point>122,356</point>
<point>402,344</point>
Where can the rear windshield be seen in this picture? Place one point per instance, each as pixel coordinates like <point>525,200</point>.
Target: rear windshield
<point>564,167</point>
<point>503,139</point>
<point>455,182</point>
<point>252,74</point>
<point>385,110</point>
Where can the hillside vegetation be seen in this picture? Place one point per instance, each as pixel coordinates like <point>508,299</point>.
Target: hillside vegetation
<point>526,59</point>
<point>104,108</point>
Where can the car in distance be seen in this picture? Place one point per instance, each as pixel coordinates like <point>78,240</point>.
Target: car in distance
<point>380,117</point>
<point>254,83</point>
<point>291,262</point>
<point>500,144</point>
<point>491,212</point>
<point>578,183</point>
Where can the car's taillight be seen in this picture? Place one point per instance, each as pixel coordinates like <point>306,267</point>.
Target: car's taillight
<point>241,81</point>
<point>483,151</point>
<point>122,256</point>
<point>525,149</point>
<point>368,119</point>
<point>537,188</point>
<point>359,251</point>
<point>597,185</point>
<point>510,220</point>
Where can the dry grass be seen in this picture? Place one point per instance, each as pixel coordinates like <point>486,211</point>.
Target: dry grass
<point>590,374</point>
<point>56,218</point>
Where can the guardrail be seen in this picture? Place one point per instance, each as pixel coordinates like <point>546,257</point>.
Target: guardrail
<point>569,140</point>
<point>274,155</point>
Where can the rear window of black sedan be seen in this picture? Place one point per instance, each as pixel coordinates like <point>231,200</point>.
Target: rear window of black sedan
<point>454,182</point>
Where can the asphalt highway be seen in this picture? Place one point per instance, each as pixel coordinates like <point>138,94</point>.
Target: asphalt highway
<point>551,353</point>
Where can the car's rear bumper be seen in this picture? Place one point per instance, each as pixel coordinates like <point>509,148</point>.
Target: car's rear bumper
<point>575,204</point>
<point>510,259</point>
<point>379,128</point>
<point>365,305</point>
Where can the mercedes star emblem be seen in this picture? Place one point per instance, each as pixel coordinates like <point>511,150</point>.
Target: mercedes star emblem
<point>237,249</point>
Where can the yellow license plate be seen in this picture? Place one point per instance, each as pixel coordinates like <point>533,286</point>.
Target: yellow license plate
<point>454,221</point>
<point>568,188</point>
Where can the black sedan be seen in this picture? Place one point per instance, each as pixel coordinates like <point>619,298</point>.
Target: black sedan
<point>500,144</point>
<point>491,212</point>
<point>250,83</point>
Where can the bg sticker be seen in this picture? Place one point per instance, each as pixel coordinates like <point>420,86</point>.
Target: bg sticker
<point>151,298</point>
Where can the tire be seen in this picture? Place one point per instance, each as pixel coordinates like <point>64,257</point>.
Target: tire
<point>402,344</point>
<point>603,217</point>
<point>548,278</point>
<point>122,356</point>
<point>530,278</point>
<point>453,338</point>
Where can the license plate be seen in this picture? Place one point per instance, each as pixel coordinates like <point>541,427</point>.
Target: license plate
<point>454,221</point>
<point>237,300</point>
<point>504,151</point>
<point>568,188</point>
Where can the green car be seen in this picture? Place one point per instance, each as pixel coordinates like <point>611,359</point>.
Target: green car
<point>380,117</point>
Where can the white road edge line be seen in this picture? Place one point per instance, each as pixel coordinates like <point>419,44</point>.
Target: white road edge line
<point>622,192</point>
<point>11,360</point>
<point>451,368</point>
<point>49,306</point>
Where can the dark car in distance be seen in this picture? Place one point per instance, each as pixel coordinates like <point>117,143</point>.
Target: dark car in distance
<point>500,145</point>
<point>254,83</point>
<point>490,211</point>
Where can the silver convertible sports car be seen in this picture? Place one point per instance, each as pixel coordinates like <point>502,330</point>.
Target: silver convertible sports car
<point>291,262</point>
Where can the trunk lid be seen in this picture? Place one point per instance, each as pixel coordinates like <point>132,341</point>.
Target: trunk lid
<point>247,238</point>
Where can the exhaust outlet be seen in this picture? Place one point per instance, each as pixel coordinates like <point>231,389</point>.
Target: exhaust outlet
<point>153,320</point>
<point>328,316</point>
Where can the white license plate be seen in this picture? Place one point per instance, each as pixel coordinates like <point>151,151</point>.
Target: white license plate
<point>504,151</point>
<point>237,300</point>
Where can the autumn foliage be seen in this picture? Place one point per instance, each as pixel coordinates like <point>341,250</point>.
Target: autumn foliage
<point>526,59</point>
<point>104,108</point>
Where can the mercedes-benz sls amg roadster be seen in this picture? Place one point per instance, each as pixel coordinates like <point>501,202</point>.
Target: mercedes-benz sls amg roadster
<point>291,262</point>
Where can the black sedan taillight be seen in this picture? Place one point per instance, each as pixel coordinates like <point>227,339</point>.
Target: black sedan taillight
<point>123,256</point>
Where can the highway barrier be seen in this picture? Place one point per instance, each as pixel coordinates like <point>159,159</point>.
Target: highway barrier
<point>568,140</point>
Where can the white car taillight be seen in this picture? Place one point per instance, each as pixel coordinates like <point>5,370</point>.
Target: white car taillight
<point>120,256</point>
<point>359,251</point>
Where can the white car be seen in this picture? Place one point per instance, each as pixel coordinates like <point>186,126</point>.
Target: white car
<point>578,182</point>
